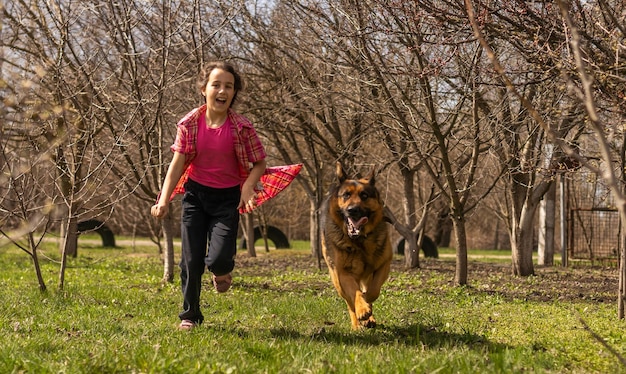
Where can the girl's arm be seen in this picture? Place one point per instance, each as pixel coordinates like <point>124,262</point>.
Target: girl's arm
<point>174,172</point>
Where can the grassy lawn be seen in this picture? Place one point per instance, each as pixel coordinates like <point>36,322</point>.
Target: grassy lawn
<point>283,316</point>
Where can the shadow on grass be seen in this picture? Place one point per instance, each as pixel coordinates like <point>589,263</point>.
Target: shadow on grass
<point>409,335</point>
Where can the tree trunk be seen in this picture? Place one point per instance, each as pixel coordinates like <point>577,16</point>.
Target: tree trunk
<point>411,252</point>
<point>496,236</point>
<point>460,276</point>
<point>69,244</point>
<point>315,233</point>
<point>411,246</point>
<point>563,219</point>
<point>622,265</point>
<point>168,256</point>
<point>35,258</point>
<point>263,227</point>
<point>69,233</point>
<point>248,221</point>
<point>411,249</point>
<point>547,212</point>
<point>522,240</point>
<point>443,231</point>
<point>622,278</point>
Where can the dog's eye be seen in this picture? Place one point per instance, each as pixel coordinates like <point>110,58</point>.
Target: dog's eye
<point>345,195</point>
<point>364,196</point>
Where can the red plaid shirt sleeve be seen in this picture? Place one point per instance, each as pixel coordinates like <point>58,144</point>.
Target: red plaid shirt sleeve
<point>186,132</point>
<point>181,141</point>
<point>185,143</point>
<point>247,143</point>
<point>253,145</point>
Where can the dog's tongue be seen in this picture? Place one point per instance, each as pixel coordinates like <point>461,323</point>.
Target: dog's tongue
<point>354,228</point>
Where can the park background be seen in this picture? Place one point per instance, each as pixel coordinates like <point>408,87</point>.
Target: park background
<point>472,115</point>
<point>491,125</point>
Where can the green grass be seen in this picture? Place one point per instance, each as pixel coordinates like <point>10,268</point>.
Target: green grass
<point>282,316</point>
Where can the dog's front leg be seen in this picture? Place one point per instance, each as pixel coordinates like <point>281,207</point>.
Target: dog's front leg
<point>350,291</point>
<point>378,279</point>
<point>363,310</point>
<point>371,291</point>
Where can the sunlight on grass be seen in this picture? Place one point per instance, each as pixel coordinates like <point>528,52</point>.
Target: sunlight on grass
<point>282,315</point>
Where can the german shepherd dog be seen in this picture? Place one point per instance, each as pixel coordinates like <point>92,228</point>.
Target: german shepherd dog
<point>356,244</point>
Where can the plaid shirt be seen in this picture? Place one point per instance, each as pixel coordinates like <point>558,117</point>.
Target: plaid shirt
<point>248,147</point>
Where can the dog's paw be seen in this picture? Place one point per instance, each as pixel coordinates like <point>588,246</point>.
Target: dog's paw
<point>369,323</point>
<point>362,309</point>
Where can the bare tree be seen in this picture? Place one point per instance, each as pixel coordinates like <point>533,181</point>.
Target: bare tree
<point>42,118</point>
<point>521,149</point>
<point>430,88</point>
<point>520,141</point>
<point>591,69</point>
<point>124,73</point>
<point>26,207</point>
<point>58,48</point>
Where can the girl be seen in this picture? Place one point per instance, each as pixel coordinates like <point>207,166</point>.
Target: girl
<point>213,151</point>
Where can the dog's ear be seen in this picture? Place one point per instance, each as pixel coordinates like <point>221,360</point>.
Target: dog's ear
<point>372,176</point>
<point>341,175</point>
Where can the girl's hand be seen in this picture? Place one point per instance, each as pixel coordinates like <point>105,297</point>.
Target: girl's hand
<point>248,199</point>
<point>248,194</point>
<point>159,211</point>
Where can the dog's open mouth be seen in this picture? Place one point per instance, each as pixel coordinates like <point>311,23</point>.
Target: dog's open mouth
<point>354,228</point>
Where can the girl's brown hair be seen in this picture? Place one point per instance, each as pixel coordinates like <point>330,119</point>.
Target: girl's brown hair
<point>203,77</point>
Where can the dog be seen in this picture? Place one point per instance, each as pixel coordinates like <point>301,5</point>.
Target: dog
<point>356,244</point>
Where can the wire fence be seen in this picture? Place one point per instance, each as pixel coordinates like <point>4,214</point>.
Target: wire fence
<point>593,224</point>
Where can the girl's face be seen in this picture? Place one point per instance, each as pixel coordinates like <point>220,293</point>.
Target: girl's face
<point>219,90</point>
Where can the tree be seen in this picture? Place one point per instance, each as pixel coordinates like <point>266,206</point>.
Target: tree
<point>520,141</point>
<point>61,51</point>
<point>26,206</point>
<point>430,87</point>
<point>587,64</point>
<point>50,119</point>
<point>123,73</point>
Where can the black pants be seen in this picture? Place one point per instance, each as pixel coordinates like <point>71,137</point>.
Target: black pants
<point>210,216</point>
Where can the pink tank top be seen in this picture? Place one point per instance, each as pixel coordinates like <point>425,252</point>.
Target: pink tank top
<point>215,164</point>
